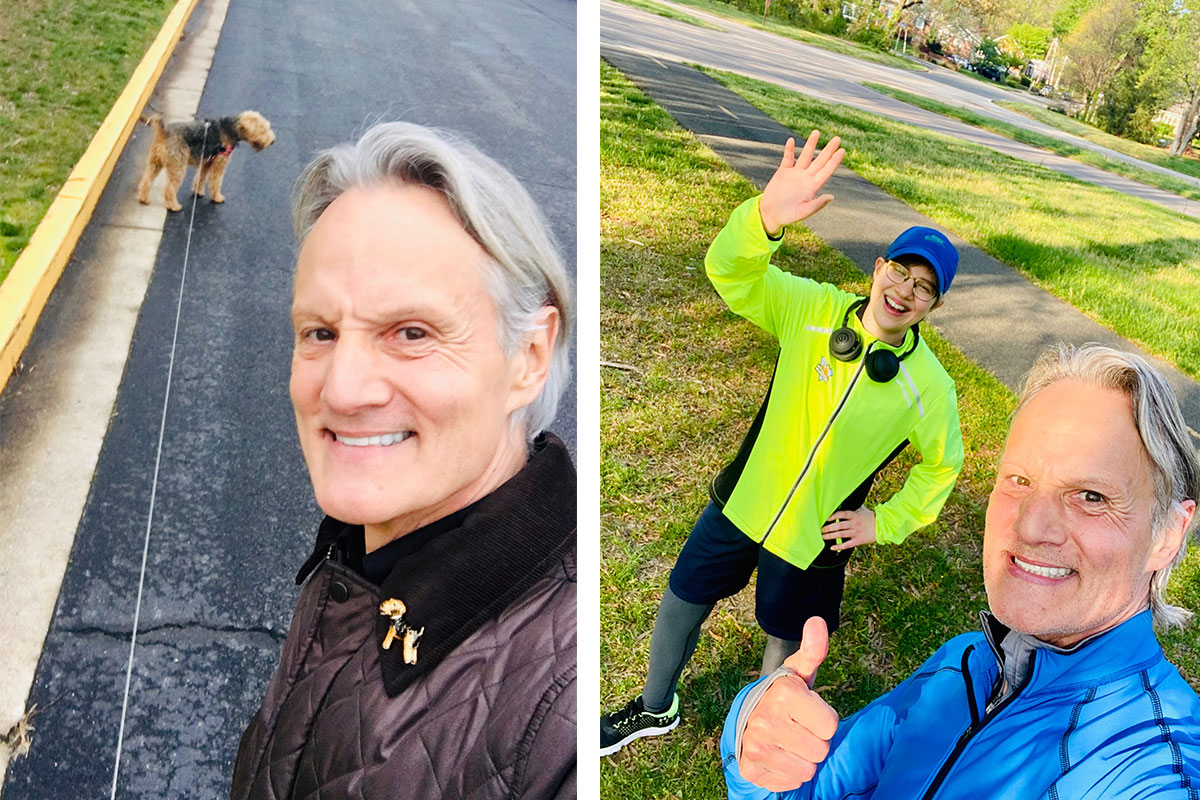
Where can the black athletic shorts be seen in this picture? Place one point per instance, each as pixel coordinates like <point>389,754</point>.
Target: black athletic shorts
<point>718,559</point>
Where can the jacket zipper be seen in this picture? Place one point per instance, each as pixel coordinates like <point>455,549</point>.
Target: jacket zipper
<point>817,445</point>
<point>971,731</point>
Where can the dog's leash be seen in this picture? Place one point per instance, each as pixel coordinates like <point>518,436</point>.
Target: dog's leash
<point>137,610</point>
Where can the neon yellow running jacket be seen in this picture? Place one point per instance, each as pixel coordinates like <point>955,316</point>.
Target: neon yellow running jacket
<point>827,427</point>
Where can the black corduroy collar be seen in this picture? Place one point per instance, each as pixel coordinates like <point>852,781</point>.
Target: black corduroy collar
<point>468,574</point>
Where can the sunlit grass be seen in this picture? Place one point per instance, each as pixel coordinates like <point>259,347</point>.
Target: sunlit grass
<point>62,64</point>
<point>670,13</point>
<point>1130,264</point>
<point>691,379</point>
<point>684,381</point>
<point>1188,165</point>
<point>1051,143</point>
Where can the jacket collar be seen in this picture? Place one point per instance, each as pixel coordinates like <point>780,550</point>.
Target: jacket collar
<point>468,574</point>
<point>1029,662</point>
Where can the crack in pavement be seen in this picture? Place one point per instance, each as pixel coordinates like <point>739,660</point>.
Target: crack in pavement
<point>147,633</point>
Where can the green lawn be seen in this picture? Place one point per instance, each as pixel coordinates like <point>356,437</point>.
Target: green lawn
<point>1051,143</point>
<point>832,43</point>
<point>1154,155</point>
<point>1129,264</point>
<point>62,64</point>
<point>670,13</point>
<point>691,376</point>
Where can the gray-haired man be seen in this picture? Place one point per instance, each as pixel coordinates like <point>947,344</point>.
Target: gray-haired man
<point>1066,694</point>
<point>432,651</point>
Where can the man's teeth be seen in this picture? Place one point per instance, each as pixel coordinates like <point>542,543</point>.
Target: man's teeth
<point>365,441</point>
<point>896,306</point>
<point>1045,572</point>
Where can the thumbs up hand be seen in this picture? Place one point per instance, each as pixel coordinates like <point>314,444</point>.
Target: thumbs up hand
<point>787,734</point>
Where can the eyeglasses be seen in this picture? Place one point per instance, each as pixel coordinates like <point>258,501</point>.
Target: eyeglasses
<point>922,289</point>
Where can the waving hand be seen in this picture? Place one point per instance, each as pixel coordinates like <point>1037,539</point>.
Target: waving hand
<point>793,193</point>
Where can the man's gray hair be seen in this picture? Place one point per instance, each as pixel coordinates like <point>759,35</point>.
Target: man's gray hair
<point>525,271</point>
<point>1160,425</point>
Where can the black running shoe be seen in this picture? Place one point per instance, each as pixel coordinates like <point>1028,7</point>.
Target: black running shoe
<point>633,722</point>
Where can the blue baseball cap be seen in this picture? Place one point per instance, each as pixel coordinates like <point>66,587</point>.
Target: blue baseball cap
<point>931,245</point>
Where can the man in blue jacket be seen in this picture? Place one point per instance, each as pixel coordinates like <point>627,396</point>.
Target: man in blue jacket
<point>1066,693</point>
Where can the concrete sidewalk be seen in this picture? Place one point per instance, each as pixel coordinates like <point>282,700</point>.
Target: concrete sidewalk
<point>995,316</point>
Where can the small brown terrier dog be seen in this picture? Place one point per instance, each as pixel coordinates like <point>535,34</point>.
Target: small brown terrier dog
<point>204,144</point>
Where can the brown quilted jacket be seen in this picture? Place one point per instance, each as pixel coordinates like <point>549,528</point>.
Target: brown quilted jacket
<point>488,710</point>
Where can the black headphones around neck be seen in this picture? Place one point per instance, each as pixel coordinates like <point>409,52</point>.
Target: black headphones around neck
<point>882,364</point>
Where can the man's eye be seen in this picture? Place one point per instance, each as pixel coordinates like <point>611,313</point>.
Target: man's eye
<point>1092,497</point>
<point>1019,480</point>
<point>320,335</point>
<point>412,334</point>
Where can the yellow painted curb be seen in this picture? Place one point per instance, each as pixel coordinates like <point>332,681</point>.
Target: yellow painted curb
<point>24,292</point>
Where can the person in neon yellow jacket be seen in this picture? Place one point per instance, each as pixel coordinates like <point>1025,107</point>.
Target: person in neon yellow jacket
<point>854,384</point>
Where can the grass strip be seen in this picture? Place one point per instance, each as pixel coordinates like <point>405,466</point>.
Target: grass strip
<point>62,64</point>
<point>1129,264</point>
<point>1053,144</point>
<point>670,13</point>
<point>825,41</point>
<point>683,380</point>
<point>1188,165</point>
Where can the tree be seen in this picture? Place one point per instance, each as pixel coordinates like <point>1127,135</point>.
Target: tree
<point>1098,47</point>
<point>1173,39</point>
<point>1068,15</point>
<point>990,54</point>
<point>1135,93</point>
<point>1031,39</point>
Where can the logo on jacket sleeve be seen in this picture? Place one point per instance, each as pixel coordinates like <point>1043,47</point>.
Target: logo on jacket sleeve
<point>824,371</point>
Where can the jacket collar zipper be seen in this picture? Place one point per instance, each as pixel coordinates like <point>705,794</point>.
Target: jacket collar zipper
<point>812,453</point>
<point>974,728</point>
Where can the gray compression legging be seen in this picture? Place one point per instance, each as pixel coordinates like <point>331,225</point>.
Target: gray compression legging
<point>776,651</point>
<point>676,632</point>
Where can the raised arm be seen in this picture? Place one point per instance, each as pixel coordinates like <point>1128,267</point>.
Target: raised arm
<point>738,261</point>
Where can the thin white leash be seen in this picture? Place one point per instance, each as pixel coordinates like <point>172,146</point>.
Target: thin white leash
<point>137,610</point>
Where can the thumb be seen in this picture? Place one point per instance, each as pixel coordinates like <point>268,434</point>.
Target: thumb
<point>814,647</point>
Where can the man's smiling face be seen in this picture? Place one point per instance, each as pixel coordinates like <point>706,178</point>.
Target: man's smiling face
<point>401,389</point>
<point>1068,549</point>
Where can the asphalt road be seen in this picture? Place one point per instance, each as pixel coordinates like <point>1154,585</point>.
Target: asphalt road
<point>836,78</point>
<point>233,512</point>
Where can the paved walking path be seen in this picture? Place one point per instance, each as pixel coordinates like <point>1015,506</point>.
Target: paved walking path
<point>994,315</point>
<point>834,78</point>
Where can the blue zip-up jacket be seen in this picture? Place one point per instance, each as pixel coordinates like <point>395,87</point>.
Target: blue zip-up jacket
<point>1111,720</point>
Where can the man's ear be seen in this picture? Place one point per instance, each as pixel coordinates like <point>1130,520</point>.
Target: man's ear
<point>938,304</point>
<point>531,363</point>
<point>1176,525</point>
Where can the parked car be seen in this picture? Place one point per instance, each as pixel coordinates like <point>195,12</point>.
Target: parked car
<point>991,72</point>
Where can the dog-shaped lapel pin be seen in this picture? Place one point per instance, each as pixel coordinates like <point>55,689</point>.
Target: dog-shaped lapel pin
<point>409,636</point>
